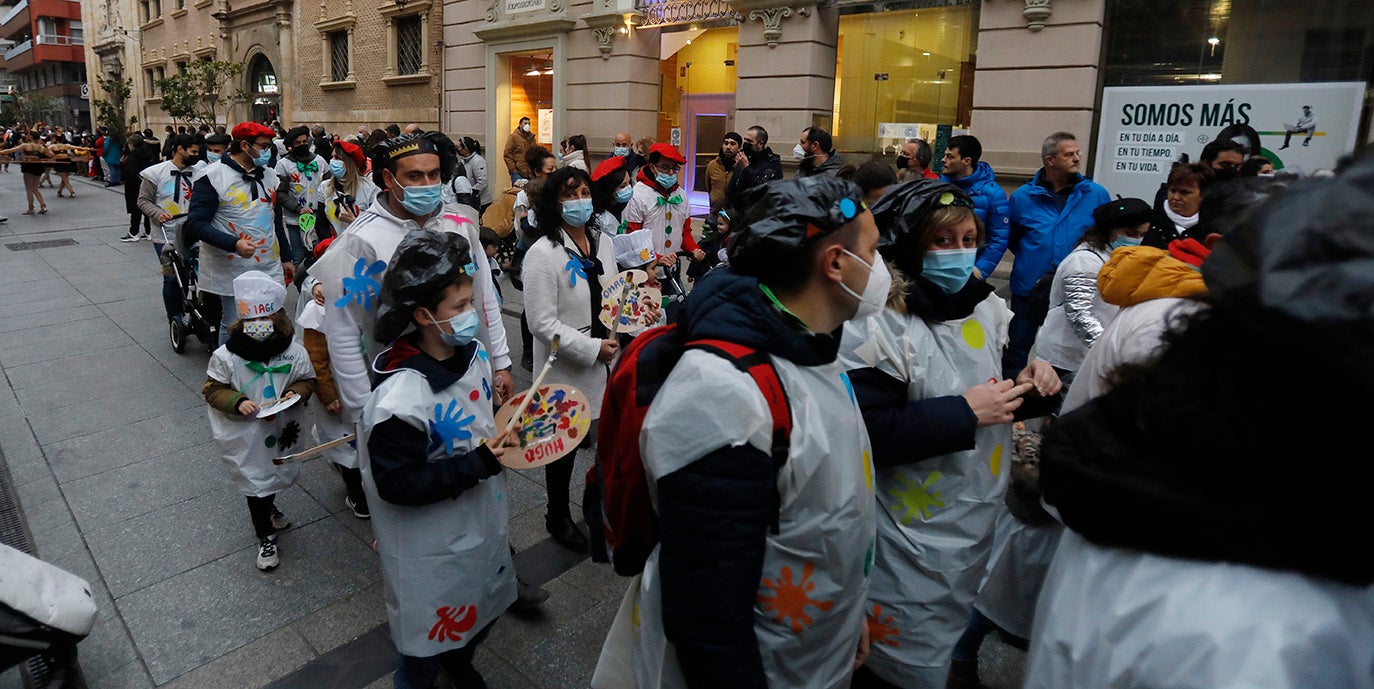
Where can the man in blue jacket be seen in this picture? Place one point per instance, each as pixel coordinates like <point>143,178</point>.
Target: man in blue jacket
<point>1048,215</point>
<point>964,170</point>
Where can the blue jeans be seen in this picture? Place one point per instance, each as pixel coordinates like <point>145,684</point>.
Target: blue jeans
<point>420,673</point>
<point>1021,335</point>
<point>116,174</point>
<point>515,177</point>
<point>972,640</point>
<point>297,242</point>
<point>171,289</point>
<point>229,312</point>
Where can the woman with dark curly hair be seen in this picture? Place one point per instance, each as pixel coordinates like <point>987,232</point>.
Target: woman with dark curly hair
<point>564,273</point>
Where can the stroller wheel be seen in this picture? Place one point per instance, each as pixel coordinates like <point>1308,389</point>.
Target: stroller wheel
<point>178,333</point>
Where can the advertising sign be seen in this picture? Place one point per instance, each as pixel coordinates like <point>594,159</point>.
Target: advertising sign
<point>1144,129</point>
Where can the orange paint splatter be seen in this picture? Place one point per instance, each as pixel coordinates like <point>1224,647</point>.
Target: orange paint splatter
<point>882,631</point>
<point>789,600</point>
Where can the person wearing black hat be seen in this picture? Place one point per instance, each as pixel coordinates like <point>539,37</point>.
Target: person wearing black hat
<point>1077,314</point>
<point>926,373</point>
<point>1218,527</point>
<point>429,449</point>
<point>760,574</point>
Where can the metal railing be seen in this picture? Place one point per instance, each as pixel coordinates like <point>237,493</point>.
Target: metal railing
<point>664,12</point>
<point>14,12</point>
<point>18,50</point>
<point>56,39</point>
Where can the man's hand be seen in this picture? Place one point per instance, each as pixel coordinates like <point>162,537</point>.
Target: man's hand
<point>741,159</point>
<point>245,248</point>
<point>505,385</point>
<point>668,260</point>
<point>698,255</point>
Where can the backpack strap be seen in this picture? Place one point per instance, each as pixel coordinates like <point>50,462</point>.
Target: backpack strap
<point>759,366</point>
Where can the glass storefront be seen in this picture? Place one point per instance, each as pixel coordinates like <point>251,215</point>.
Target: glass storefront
<point>906,68</point>
<point>531,93</point>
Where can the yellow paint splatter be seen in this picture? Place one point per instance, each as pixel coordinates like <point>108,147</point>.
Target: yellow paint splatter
<point>868,471</point>
<point>974,334</point>
<point>634,620</point>
<point>995,461</point>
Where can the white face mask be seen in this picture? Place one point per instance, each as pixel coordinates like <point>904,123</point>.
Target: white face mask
<point>874,297</point>
<point>525,127</point>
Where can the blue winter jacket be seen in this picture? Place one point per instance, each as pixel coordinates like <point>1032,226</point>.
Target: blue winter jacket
<point>990,205</point>
<point>1042,233</point>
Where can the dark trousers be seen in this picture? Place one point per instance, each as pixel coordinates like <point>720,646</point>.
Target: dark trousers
<point>133,224</point>
<point>526,337</point>
<point>171,289</point>
<point>1021,333</point>
<point>865,679</point>
<point>421,673</point>
<point>972,640</point>
<point>260,509</point>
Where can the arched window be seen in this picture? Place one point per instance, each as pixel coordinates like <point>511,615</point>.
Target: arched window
<point>262,78</point>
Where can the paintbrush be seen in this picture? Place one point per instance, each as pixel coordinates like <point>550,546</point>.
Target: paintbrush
<point>525,399</point>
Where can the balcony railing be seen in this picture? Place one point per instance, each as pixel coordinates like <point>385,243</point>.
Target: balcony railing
<point>55,39</point>
<point>14,12</point>
<point>18,50</point>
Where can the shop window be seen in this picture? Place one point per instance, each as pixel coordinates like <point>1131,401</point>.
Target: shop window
<point>338,55</point>
<point>410,45</point>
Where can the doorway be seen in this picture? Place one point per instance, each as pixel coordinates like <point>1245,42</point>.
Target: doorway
<point>525,88</point>
<point>708,116</point>
<point>262,84</point>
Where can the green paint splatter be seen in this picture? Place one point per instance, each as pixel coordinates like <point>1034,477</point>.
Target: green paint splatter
<point>918,500</point>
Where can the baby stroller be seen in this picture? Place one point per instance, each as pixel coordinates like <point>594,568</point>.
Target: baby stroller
<point>199,321</point>
<point>44,612</point>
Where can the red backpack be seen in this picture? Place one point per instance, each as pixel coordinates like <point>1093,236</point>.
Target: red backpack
<point>620,516</point>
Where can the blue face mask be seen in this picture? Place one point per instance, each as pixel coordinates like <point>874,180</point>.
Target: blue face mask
<point>950,269</point>
<point>422,200</point>
<point>1122,240</point>
<point>264,158</point>
<point>337,168</point>
<point>622,151</point>
<point>624,195</point>
<point>577,212</point>
<point>665,181</point>
<point>463,328</point>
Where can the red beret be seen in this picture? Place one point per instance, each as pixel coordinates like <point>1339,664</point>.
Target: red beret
<point>668,151</point>
<point>608,166</point>
<point>1190,251</point>
<point>354,152</point>
<point>321,246</point>
<point>251,130</point>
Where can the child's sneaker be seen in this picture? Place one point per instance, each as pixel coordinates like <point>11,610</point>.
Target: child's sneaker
<point>279,520</point>
<point>359,508</point>
<point>267,554</point>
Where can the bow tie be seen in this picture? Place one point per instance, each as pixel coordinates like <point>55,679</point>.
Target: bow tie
<point>259,367</point>
<point>677,198</point>
<point>178,177</point>
<point>309,167</point>
<point>254,180</point>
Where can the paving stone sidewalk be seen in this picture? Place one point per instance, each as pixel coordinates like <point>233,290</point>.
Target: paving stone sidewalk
<point>106,439</point>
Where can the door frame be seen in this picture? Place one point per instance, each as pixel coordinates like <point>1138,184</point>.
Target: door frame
<point>694,105</point>
<point>498,55</point>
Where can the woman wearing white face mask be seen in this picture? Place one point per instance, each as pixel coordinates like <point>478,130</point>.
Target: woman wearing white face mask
<point>1077,314</point>
<point>564,273</point>
<point>925,372</point>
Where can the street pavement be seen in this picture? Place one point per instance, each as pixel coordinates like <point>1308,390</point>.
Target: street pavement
<point>107,443</point>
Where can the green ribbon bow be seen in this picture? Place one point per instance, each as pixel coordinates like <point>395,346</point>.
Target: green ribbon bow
<point>260,367</point>
<point>677,199</point>
<point>312,166</point>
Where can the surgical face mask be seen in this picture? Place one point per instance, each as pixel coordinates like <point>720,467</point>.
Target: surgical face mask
<point>665,180</point>
<point>950,269</point>
<point>213,155</point>
<point>800,153</point>
<point>301,151</point>
<point>258,330</point>
<point>622,151</point>
<point>462,328</point>
<point>336,167</point>
<point>1122,240</point>
<point>264,157</point>
<point>422,200</point>
<point>874,296</point>
<point>576,212</point>
<point>624,194</point>
<point>525,127</point>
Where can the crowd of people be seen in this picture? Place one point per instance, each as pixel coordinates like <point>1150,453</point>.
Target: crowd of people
<point>856,459</point>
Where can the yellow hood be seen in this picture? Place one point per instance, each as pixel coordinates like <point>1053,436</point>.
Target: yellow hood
<point>1138,274</point>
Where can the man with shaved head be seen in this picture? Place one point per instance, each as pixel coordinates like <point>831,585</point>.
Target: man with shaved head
<point>624,147</point>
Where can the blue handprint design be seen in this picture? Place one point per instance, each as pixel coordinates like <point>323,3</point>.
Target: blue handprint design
<point>575,271</point>
<point>448,427</point>
<point>362,287</point>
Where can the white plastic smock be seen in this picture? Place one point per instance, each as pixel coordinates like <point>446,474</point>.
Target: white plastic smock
<point>245,211</point>
<point>935,521</point>
<point>810,607</point>
<point>1112,617</point>
<point>303,180</point>
<point>446,566</point>
<point>327,427</point>
<point>247,444</point>
<point>1135,336</point>
<point>173,197</point>
<point>46,593</point>
<point>367,194</point>
<point>1021,555</point>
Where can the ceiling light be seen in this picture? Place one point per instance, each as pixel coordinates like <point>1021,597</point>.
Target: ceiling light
<point>926,53</point>
<point>548,71</point>
<point>532,73</point>
<point>1213,41</point>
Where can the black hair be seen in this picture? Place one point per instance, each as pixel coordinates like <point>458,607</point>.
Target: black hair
<point>1242,130</point>
<point>183,141</point>
<point>472,145</point>
<point>1216,147</point>
<point>874,174</point>
<point>440,144</point>
<point>524,120</point>
<point>733,136</point>
<point>377,136</point>
<point>393,129</point>
<point>603,190</point>
<point>1226,204</point>
<point>548,210</point>
<point>535,157</point>
<point>820,137</point>
<point>924,154</point>
<point>294,132</point>
<point>578,142</point>
<point>1252,166</point>
<point>760,135</point>
<point>969,147</point>
<point>488,237</point>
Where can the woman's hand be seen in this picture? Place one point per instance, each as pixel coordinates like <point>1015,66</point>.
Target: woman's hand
<point>245,248</point>
<point>609,348</point>
<point>346,215</point>
<point>995,402</point>
<point>1040,374</point>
